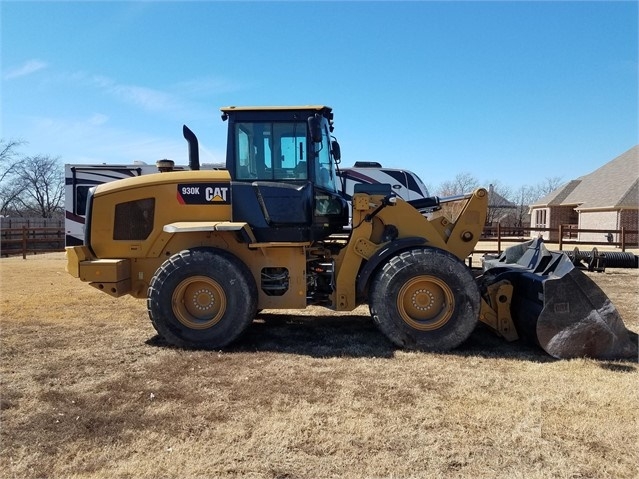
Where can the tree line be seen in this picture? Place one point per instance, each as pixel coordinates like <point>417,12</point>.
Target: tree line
<point>33,186</point>
<point>30,186</point>
<point>507,206</point>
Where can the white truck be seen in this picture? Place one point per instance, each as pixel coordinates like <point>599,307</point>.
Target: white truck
<point>79,178</point>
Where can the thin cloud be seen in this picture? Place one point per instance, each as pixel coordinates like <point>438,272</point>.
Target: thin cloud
<point>179,98</point>
<point>208,86</point>
<point>25,69</point>
<point>97,119</point>
<point>149,99</point>
<point>92,140</point>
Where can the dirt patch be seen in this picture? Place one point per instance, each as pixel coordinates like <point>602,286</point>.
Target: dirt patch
<point>89,390</point>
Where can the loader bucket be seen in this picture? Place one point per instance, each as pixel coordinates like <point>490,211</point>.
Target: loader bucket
<point>557,306</point>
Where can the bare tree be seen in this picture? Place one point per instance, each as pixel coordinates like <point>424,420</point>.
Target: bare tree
<point>41,179</point>
<point>548,185</point>
<point>505,206</point>
<point>522,198</point>
<point>462,183</point>
<point>527,195</point>
<point>500,207</point>
<point>10,161</point>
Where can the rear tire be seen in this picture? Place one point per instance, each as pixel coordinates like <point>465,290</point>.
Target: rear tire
<point>425,299</point>
<point>203,298</point>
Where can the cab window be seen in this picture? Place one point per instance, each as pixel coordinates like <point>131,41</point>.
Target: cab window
<point>270,151</point>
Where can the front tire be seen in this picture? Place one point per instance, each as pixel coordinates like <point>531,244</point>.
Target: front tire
<point>425,299</point>
<point>202,298</point>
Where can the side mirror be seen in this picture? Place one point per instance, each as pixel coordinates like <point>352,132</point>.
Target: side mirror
<point>315,127</point>
<point>337,154</point>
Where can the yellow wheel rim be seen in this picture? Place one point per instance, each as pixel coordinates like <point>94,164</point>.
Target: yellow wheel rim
<point>199,302</point>
<point>425,303</point>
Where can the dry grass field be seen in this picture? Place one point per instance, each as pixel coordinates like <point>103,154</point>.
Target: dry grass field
<point>88,391</point>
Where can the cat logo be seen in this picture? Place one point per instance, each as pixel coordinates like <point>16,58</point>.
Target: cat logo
<point>216,195</point>
<point>204,194</point>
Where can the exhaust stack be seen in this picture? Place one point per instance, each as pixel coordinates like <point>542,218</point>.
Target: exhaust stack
<point>194,151</point>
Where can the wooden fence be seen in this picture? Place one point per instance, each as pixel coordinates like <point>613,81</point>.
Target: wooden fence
<point>33,240</point>
<point>25,240</point>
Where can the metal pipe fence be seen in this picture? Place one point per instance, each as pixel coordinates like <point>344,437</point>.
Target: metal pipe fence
<point>565,235</point>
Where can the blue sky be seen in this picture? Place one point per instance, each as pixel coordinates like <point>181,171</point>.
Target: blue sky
<point>513,91</point>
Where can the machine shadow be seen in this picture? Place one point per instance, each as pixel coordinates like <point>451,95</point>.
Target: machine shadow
<point>320,336</point>
<point>356,336</point>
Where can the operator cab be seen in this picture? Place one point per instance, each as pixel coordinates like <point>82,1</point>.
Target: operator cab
<point>282,164</point>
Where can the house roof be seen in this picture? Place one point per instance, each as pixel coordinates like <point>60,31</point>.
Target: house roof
<point>613,186</point>
<point>495,200</point>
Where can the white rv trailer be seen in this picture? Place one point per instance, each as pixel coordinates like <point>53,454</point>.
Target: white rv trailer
<point>404,183</point>
<point>79,178</point>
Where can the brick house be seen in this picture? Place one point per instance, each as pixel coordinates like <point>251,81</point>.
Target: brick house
<point>607,198</point>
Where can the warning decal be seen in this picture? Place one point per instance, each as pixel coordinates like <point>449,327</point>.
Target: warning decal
<point>204,193</point>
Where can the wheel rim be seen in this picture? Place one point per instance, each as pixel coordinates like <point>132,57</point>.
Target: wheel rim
<point>425,303</point>
<point>199,302</point>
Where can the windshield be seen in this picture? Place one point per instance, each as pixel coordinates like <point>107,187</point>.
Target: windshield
<point>276,151</point>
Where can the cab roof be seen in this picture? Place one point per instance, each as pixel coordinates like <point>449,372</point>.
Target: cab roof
<point>230,109</point>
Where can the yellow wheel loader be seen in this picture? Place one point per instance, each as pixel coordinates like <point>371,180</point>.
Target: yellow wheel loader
<point>207,249</point>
